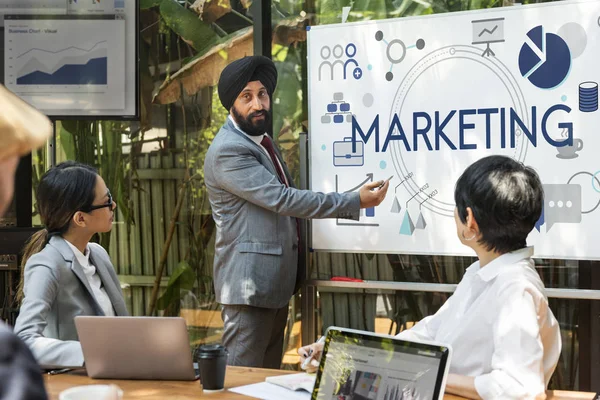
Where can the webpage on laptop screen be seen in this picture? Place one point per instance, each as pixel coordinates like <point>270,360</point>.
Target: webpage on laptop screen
<point>361,369</point>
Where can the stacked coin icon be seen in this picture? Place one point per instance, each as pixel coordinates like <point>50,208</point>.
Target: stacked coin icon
<point>588,96</point>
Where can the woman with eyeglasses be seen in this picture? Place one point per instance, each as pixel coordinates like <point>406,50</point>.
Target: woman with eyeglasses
<point>63,274</point>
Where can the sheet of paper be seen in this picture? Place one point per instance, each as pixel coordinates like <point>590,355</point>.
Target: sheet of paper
<point>294,381</point>
<point>268,391</point>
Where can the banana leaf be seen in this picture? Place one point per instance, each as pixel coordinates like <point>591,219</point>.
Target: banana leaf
<point>205,68</point>
<point>289,31</point>
<point>182,279</point>
<point>146,4</point>
<point>188,25</point>
<point>211,10</point>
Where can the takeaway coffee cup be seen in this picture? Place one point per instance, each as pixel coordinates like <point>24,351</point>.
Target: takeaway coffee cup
<point>212,361</point>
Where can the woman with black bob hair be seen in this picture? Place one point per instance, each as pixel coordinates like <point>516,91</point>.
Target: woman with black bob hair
<point>63,274</point>
<point>505,339</point>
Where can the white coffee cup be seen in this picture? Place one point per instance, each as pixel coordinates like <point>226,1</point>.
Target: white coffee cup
<point>92,392</point>
<point>570,151</point>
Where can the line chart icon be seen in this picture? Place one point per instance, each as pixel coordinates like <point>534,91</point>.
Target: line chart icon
<point>487,31</point>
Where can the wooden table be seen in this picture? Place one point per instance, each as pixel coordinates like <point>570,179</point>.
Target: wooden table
<point>236,376</point>
<point>162,390</point>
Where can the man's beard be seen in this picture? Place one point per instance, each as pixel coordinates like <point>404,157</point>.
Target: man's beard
<point>251,127</point>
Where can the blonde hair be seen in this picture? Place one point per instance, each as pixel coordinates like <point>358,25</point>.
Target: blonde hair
<point>22,127</point>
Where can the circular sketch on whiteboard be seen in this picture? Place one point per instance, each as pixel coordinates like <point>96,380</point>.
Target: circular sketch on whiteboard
<point>498,84</point>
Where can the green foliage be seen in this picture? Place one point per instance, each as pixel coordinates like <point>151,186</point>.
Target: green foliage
<point>200,222</point>
<point>146,4</point>
<point>200,125</point>
<point>187,25</point>
<point>200,142</point>
<point>288,95</point>
<point>330,11</point>
<point>181,281</point>
<point>99,144</point>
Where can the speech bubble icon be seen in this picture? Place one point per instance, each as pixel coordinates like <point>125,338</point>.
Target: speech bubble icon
<point>540,222</point>
<point>562,204</point>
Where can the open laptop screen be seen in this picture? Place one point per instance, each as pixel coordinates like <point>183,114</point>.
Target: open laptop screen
<point>363,366</point>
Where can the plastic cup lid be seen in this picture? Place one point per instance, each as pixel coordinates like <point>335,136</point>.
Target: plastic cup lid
<point>212,350</point>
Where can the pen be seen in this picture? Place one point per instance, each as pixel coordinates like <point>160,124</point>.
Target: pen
<point>383,183</point>
<point>59,371</point>
<point>310,355</point>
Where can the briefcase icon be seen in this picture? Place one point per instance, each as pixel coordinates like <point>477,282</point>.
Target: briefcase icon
<point>343,155</point>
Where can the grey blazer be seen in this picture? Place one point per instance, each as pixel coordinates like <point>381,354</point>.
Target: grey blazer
<point>256,248</point>
<point>56,291</point>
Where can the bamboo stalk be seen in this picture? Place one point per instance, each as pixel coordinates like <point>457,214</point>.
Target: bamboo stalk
<point>175,217</point>
<point>167,245</point>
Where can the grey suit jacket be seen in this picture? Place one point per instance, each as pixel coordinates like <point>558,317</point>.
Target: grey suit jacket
<point>56,291</point>
<point>256,248</point>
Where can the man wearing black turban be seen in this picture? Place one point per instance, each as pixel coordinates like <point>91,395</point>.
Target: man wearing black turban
<point>255,206</point>
<point>236,75</point>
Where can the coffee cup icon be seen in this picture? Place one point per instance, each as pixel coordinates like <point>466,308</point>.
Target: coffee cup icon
<point>569,152</point>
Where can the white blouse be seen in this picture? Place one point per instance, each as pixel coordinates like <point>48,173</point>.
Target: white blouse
<point>94,280</point>
<point>500,328</point>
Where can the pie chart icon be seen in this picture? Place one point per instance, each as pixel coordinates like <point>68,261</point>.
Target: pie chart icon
<point>544,59</point>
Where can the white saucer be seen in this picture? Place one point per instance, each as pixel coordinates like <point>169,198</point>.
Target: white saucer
<point>567,157</point>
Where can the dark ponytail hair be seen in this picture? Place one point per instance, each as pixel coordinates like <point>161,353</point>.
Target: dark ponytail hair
<point>63,190</point>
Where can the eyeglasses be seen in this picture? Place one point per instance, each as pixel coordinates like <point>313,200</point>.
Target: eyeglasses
<point>108,204</point>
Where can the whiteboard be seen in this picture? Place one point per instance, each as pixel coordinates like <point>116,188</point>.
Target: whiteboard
<point>422,98</point>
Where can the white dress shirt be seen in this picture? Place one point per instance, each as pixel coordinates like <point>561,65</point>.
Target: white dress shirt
<point>258,140</point>
<point>500,328</point>
<point>94,280</point>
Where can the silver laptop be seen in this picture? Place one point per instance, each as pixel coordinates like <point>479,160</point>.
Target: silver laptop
<point>362,365</point>
<point>154,348</point>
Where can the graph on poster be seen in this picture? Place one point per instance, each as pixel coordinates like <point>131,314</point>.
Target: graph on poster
<point>78,63</point>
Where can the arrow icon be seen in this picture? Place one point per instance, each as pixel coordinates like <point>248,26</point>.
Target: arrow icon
<point>369,179</point>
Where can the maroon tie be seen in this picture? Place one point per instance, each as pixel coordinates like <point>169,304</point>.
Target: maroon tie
<point>268,145</point>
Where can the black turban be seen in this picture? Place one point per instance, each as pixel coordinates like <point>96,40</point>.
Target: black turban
<point>236,76</point>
